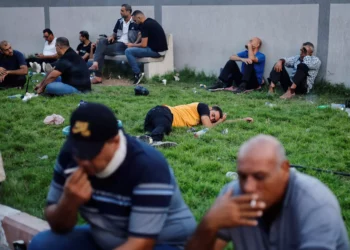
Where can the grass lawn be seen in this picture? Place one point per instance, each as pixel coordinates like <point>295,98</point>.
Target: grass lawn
<point>312,137</point>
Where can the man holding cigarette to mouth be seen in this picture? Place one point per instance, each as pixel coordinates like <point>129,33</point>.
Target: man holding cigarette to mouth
<point>123,188</point>
<point>271,207</point>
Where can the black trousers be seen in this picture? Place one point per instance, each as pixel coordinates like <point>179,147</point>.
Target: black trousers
<point>39,60</point>
<point>158,121</point>
<point>13,81</point>
<point>231,73</point>
<point>300,78</point>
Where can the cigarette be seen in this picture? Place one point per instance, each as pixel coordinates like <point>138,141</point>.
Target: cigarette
<point>70,170</point>
<point>253,203</point>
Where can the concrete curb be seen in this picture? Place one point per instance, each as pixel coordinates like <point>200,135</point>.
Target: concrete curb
<point>16,225</point>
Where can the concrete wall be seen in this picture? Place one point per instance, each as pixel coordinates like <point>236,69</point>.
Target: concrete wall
<point>206,32</point>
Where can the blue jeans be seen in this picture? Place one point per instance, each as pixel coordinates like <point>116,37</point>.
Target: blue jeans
<point>60,88</point>
<point>132,53</point>
<point>79,238</point>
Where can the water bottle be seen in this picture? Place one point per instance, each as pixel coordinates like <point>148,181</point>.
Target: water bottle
<point>232,175</point>
<point>269,104</point>
<point>338,106</point>
<point>15,96</point>
<point>200,132</point>
<point>82,102</point>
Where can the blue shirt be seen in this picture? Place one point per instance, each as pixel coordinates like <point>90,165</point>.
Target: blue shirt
<point>310,219</point>
<point>140,198</point>
<point>259,66</point>
<point>12,62</point>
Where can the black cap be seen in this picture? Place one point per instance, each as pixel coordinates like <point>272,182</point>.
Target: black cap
<point>91,126</point>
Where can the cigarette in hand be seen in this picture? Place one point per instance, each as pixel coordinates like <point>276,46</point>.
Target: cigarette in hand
<point>72,170</point>
<point>253,203</point>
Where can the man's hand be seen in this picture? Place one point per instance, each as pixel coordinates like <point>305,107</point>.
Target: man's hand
<point>93,45</point>
<point>111,39</point>
<point>237,211</point>
<point>2,70</point>
<point>77,188</point>
<point>278,66</point>
<point>41,56</point>
<point>224,116</point>
<point>2,76</point>
<point>129,45</point>
<point>248,119</point>
<point>247,60</point>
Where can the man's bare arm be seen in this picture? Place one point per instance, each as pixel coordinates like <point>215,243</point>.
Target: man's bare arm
<point>137,244</point>
<point>208,124</point>
<point>203,238</point>
<point>251,55</point>
<point>86,56</point>
<point>23,70</point>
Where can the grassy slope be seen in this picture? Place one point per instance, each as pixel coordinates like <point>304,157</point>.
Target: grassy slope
<point>312,137</point>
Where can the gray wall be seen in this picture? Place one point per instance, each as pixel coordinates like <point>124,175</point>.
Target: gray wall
<point>206,32</point>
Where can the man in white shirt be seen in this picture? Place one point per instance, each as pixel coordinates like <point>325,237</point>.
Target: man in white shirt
<point>125,31</point>
<point>49,54</point>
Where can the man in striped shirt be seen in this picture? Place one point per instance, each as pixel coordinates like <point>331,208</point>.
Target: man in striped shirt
<point>123,188</point>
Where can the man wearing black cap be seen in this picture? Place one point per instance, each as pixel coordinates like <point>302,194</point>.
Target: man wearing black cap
<point>108,177</point>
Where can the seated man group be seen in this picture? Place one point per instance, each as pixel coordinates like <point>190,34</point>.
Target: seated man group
<point>128,195</point>
<point>133,35</point>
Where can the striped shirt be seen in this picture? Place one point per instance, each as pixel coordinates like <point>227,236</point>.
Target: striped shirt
<point>140,198</point>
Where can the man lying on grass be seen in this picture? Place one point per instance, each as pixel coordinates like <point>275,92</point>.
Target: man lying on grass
<point>271,207</point>
<point>160,119</point>
<point>108,178</point>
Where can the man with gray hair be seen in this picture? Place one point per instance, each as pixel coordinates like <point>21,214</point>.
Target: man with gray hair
<point>70,75</point>
<point>125,31</point>
<point>305,69</point>
<point>13,67</point>
<point>271,207</point>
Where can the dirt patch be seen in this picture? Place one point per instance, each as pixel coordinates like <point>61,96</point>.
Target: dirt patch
<point>116,82</point>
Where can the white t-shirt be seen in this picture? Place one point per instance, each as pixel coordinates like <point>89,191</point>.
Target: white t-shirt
<point>124,38</point>
<point>50,49</point>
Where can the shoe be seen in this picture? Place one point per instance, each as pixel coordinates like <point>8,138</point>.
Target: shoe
<point>48,67</point>
<point>240,89</point>
<point>37,67</point>
<point>44,66</point>
<point>31,64</point>
<point>217,85</point>
<point>95,81</point>
<point>145,138</point>
<point>163,144</point>
<point>138,78</point>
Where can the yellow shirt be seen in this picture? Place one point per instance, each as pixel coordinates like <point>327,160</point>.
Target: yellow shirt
<point>185,115</point>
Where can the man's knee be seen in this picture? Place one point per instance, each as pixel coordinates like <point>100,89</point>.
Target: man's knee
<point>102,41</point>
<point>41,241</point>
<point>303,67</point>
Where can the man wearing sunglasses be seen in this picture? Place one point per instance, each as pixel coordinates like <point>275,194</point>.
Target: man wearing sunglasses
<point>305,68</point>
<point>49,54</point>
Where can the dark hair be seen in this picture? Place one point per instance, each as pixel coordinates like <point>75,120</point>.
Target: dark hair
<point>308,44</point>
<point>48,31</point>
<point>62,41</point>
<point>137,12</point>
<point>127,7</point>
<point>85,34</point>
<point>217,108</point>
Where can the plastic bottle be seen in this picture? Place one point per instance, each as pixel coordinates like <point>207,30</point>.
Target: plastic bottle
<point>200,132</point>
<point>15,96</point>
<point>232,175</point>
<point>271,105</point>
<point>338,106</point>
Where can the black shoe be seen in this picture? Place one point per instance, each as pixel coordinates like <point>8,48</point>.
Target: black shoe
<point>240,89</point>
<point>138,78</point>
<point>163,144</point>
<point>217,85</point>
<point>145,138</point>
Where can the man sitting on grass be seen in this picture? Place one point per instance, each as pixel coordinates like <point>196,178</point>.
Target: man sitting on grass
<point>250,77</point>
<point>70,75</point>
<point>305,69</point>
<point>160,119</point>
<point>109,178</point>
<point>13,68</point>
<point>271,207</point>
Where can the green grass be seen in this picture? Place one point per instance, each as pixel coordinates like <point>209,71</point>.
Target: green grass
<point>312,137</point>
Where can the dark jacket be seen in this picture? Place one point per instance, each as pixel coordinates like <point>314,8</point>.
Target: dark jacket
<point>133,30</point>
